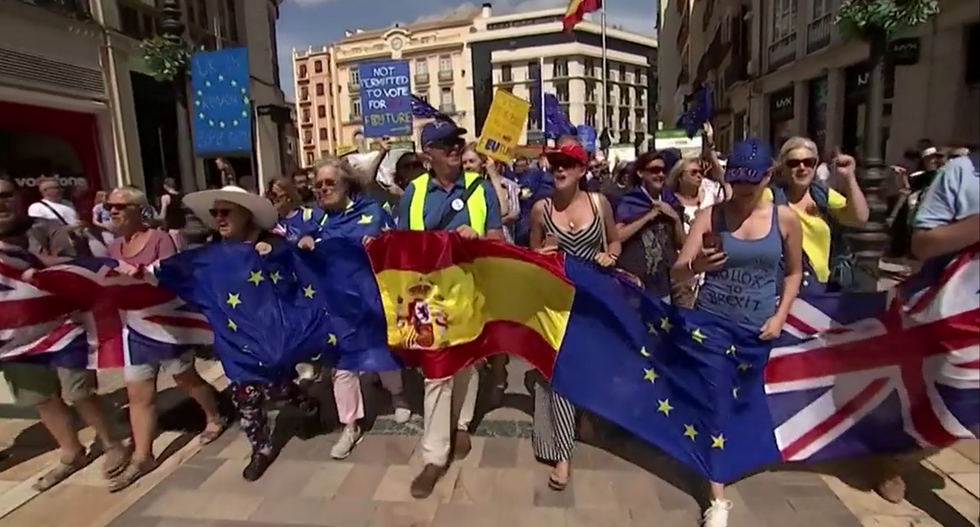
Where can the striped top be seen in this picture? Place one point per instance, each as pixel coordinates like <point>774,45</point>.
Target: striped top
<point>584,243</point>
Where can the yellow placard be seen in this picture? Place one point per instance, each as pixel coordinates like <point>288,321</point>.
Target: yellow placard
<point>503,126</point>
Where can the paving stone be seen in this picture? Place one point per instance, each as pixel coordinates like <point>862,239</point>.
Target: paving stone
<point>326,480</point>
<point>970,449</point>
<point>593,489</point>
<point>458,515</point>
<point>596,518</point>
<point>531,517</point>
<point>499,453</point>
<point>475,486</point>
<point>951,461</point>
<point>637,492</point>
<point>408,514</point>
<point>515,487</point>
<point>315,512</point>
<point>361,482</point>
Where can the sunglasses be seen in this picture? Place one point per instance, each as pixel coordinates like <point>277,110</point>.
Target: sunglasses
<point>565,163</point>
<point>117,206</point>
<point>448,145</point>
<point>695,171</point>
<point>796,163</point>
<point>325,183</point>
<point>7,195</point>
<point>654,170</point>
<point>220,213</point>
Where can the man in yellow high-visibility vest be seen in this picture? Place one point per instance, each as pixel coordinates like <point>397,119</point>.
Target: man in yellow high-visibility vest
<point>446,198</point>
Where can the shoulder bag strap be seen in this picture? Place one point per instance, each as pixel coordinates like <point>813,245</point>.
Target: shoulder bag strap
<point>55,212</point>
<point>449,214</point>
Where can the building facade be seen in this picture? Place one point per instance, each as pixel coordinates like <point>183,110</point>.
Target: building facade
<point>60,66</point>
<point>328,94</point>
<point>519,52</point>
<point>787,71</point>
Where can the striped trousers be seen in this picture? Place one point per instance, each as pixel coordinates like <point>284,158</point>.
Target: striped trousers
<point>554,425</point>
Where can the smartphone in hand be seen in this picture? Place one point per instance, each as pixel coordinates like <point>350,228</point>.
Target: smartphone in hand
<point>710,240</point>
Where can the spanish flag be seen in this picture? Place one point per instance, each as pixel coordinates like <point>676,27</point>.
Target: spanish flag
<point>449,302</point>
<point>576,12</point>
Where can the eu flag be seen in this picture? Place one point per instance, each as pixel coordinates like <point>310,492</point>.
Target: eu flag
<point>556,123</point>
<point>686,381</point>
<point>265,310</point>
<point>700,110</point>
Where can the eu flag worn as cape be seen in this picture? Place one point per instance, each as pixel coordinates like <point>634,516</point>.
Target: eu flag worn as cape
<point>362,217</point>
<point>265,310</point>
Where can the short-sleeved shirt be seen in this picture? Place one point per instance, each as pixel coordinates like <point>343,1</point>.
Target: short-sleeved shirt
<point>438,200</point>
<point>159,246</point>
<point>816,232</point>
<point>952,196</point>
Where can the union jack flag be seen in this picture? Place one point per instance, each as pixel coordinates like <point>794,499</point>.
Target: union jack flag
<point>32,321</point>
<point>128,321</point>
<point>885,372</point>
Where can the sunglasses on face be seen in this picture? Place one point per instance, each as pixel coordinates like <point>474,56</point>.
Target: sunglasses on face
<point>117,206</point>
<point>695,171</point>
<point>796,163</point>
<point>7,194</point>
<point>564,164</point>
<point>220,213</point>
<point>653,170</point>
<point>447,145</point>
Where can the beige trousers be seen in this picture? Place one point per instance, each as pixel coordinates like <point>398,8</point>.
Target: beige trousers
<point>449,406</point>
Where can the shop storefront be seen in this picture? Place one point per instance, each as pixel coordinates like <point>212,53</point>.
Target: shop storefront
<point>782,118</point>
<point>36,141</point>
<point>856,88</point>
<point>816,113</point>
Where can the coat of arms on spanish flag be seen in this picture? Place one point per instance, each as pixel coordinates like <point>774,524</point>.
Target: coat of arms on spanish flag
<point>576,12</point>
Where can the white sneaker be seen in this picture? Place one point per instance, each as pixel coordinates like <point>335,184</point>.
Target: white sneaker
<point>402,415</point>
<point>349,439</point>
<point>717,514</point>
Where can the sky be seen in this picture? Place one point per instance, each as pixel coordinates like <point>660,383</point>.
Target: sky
<point>305,23</point>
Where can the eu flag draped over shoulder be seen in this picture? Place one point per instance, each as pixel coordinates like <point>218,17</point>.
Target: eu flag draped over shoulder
<point>264,309</point>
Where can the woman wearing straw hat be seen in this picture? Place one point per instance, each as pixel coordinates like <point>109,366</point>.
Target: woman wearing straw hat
<point>240,216</point>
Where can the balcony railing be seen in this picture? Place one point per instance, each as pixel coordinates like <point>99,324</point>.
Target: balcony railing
<point>421,79</point>
<point>353,86</point>
<point>445,75</point>
<point>447,108</point>
<point>81,9</point>
<point>818,33</point>
<point>782,52</point>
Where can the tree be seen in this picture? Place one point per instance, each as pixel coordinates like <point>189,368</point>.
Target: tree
<point>875,22</point>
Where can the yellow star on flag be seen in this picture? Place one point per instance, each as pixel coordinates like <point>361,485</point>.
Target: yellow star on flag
<point>735,392</point>
<point>255,277</point>
<point>231,325</point>
<point>649,374</point>
<point>651,328</point>
<point>233,300</point>
<point>665,324</point>
<point>275,276</point>
<point>718,441</point>
<point>664,407</point>
<point>644,352</point>
<point>744,367</point>
<point>365,219</point>
<point>308,291</point>
<point>697,336</point>
<point>731,350</point>
<point>332,339</point>
<point>690,432</point>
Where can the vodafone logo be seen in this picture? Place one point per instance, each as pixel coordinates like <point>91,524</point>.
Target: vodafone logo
<point>31,182</point>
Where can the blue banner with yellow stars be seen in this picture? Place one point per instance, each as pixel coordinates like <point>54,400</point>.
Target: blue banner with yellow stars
<point>222,106</point>
<point>686,381</point>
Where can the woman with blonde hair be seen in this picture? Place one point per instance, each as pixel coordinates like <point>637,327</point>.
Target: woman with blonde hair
<point>137,244</point>
<point>822,210</point>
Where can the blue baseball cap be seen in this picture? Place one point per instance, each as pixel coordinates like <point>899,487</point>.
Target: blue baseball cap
<point>749,162</point>
<point>440,130</point>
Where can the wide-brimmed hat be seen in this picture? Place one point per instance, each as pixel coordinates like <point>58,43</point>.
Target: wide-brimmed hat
<point>201,203</point>
<point>749,162</point>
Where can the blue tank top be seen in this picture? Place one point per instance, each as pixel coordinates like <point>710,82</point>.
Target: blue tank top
<point>746,290</point>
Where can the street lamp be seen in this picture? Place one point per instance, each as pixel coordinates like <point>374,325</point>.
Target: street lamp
<point>172,29</point>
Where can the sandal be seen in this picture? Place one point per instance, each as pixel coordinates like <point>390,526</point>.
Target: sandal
<point>60,472</point>
<point>130,475</point>
<point>556,485</point>
<point>116,459</point>
<point>209,436</point>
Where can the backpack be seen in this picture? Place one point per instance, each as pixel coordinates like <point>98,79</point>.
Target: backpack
<point>842,259</point>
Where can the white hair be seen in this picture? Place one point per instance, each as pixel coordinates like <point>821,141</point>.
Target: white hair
<point>132,195</point>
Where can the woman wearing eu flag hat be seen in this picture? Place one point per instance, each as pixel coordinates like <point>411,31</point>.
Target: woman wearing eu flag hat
<point>350,213</point>
<point>740,246</point>
<point>239,302</point>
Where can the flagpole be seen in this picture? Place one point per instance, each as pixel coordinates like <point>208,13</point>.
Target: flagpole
<point>541,97</point>
<point>605,72</point>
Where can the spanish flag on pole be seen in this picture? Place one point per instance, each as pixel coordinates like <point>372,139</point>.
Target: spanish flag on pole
<point>576,12</point>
